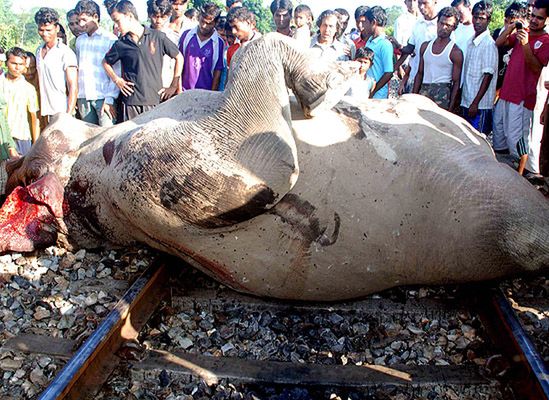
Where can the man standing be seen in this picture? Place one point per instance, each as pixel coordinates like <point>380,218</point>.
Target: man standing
<point>518,93</point>
<point>324,45</point>
<point>202,50</point>
<point>179,23</point>
<point>404,24</point>
<point>282,16</point>
<point>439,72</point>
<point>96,92</point>
<point>480,69</point>
<point>21,101</point>
<point>57,67</point>
<point>465,29</point>
<point>242,23</point>
<point>74,27</point>
<point>424,30</point>
<point>382,68</point>
<point>140,51</point>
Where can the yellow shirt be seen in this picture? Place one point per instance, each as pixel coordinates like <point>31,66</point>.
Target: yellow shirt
<point>21,98</point>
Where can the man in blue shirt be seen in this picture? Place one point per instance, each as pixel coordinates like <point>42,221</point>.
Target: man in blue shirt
<point>382,68</point>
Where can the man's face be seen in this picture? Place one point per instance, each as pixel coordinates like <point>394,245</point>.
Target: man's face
<point>369,27</point>
<point>427,8</point>
<point>530,7</point>
<point>282,18</point>
<point>538,19</point>
<point>122,22</point>
<point>344,21</point>
<point>206,25</point>
<point>179,7</point>
<point>48,32</point>
<point>360,23</point>
<point>242,30</point>
<point>445,27</point>
<point>72,21</point>
<point>158,21</point>
<point>16,66</point>
<point>88,23</point>
<point>411,6</point>
<point>465,15</point>
<point>328,29</point>
<point>480,22</point>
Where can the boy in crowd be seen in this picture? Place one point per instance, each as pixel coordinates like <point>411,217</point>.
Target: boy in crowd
<point>7,148</point>
<point>439,72</point>
<point>282,16</point>
<point>159,12</point>
<point>96,92</point>
<point>382,68</point>
<point>179,23</point>
<point>74,27</point>
<point>21,101</point>
<point>202,50</point>
<point>242,23</point>
<point>360,19</point>
<point>229,4</point>
<point>140,51</point>
<point>465,29</point>
<point>518,93</point>
<point>57,67</point>
<point>362,89</point>
<point>404,24</point>
<point>479,79</point>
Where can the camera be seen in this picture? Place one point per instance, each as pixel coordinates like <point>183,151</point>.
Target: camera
<point>518,25</point>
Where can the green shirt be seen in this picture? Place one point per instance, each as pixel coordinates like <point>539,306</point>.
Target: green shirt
<point>6,141</point>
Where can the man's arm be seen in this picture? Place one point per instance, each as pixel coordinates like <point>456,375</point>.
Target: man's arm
<point>125,87</point>
<point>405,52</point>
<point>71,75</point>
<point>503,38</point>
<point>456,56</point>
<point>216,80</point>
<point>175,86</point>
<point>386,77</point>
<point>35,126</point>
<point>418,80</point>
<point>484,85</point>
<point>531,60</point>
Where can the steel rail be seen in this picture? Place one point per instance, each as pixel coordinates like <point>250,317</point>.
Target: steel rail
<point>539,373</point>
<point>93,362</point>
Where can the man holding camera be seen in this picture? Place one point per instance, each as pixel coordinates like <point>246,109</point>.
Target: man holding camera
<point>530,54</point>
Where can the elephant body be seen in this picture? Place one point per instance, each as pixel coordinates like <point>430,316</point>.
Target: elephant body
<point>249,189</point>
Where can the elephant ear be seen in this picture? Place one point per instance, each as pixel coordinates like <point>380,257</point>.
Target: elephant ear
<point>337,82</point>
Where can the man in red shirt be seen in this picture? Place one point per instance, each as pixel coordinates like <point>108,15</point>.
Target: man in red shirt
<point>530,54</point>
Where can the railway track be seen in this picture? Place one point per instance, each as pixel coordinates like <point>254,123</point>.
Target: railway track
<point>168,335</point>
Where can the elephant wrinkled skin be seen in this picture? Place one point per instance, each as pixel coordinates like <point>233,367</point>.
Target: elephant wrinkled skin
<point>249,189</point>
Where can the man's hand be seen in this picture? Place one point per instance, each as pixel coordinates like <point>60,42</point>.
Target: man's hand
<point>126,88</point>
<point>522,36</point>
<point>166,93</point>
<point>109,110</point>
<point>13,154</point>
<point>542,116</point>
<point>473,110</point>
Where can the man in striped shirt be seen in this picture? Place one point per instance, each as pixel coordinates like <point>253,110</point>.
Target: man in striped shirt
<point>96,92</point>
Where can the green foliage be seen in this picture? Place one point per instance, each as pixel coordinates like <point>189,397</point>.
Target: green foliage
<point>19,29</point>
<point>199,3</point>
<point>262,15</point>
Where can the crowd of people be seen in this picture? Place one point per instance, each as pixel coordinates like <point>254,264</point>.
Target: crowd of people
<point>496,81</point>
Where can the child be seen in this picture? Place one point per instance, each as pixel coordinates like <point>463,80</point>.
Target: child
<point>21,98</point>
<point>303,18</point>
<point>363,88</point>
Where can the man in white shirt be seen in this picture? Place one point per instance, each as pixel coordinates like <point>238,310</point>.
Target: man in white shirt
<point>465,29</point>
<point>57,67</point>
<point>404,24</point>
<point>96,92</point>
<point>479,72</point>
<point>325,45</point>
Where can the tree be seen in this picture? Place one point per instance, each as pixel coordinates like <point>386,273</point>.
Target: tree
<point>262,15</point>
<point>393,13</point>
